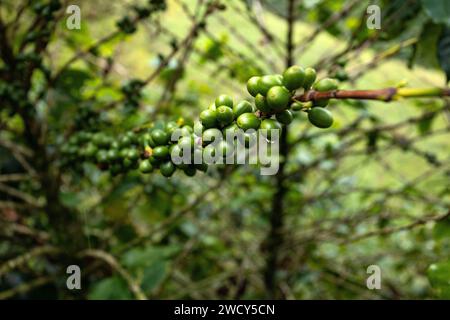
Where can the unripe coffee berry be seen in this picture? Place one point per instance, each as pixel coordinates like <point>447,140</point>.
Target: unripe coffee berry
<point>285,117</point>
<point>224,100</point>
<point>278,98</point>
<point>242,107</point>
<point>208,118</point>
<point>248,121</point>
<point>224,115</point>
<point>294,77</point>
<point>320,117</point>
<point>252,86</point>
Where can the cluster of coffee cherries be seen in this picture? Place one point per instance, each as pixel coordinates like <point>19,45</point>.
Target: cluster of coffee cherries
<point>154,146</point>
<point>145,149</point>
<point>274,97</point>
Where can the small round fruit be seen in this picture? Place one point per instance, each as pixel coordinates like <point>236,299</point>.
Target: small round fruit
<point>90,150</point>
<point>113,155</point>
<point>230,131</point>
<point>201,167</point>
<point>320,117</point>
<point>269,125</point>
<point>310,77</point>
<point>248,121</point>
<point>208,118</point>
<point>296,106</point>
<point>133,154</point>
<point>252,86</point>
<point>102,156</point>
<point>190,171</point>
<point>145,166</point>
<point>242,107</point>
<point>161,152</point>
<point>294,77</point>
<point>171,127</point>
<point>267,82</point>
<point>341,75</point>
<point>278,98</point>
<point>321,103</point>
<point>125,141</point>
<point>186,130</point>
<point>210,135</point>
<point>224,115</point>
<point>160,137</point>
<point>155,162</point>
<point>261,103</point>
<point>285,117</point>
<point>167,169</point>
<point>146,140</point>
<point>224,100</point>
<point>326,84</point>
<point>186,142</point>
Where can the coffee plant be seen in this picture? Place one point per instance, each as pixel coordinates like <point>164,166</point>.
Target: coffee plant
<point>120,143</point>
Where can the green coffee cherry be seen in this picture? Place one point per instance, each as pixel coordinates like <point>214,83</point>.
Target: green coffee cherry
<point>171,127</point>
<point>145,166</point>
<point>297,106</point>
<point>248,121</point>
<point>242,107</point>
<point>310,78</point>
<point>224,115</point>
<point>90,150</point>
<point>285,117</point>
<point>102,156</point>
<point>261,103</point>
<point>167,169</point>
<point>294,77</point>
<point>210,135</point>
<point>186,131</point>
<point>155,162</point>
<point>133,154</point>
<point>326,84</point>
<point>190,171</point>
<point>278,98</point>
<point>267,82</point>
<point>230,130</point>
<point>186,142</point>
<point>269,125</point>
<point>201,167</point>
<point>161,152</point>
<point>320,117</point>
<point>252,86</point>
<point>321,103</point>
<point>113,155</point>
<point>160,137</point>
<point>224,100</point>
<point>146,140</point>
<point>208,118</point>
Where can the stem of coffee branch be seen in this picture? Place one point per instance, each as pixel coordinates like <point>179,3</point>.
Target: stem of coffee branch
<point>387,94</point>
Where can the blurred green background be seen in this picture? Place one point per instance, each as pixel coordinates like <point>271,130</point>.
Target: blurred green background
<point>372,190</point>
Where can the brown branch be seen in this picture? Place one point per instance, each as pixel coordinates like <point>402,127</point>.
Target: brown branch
<point>386,95</point>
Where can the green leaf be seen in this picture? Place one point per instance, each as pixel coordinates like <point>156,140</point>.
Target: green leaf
<point>153,275</point>
<point>437,10</point>
<point>145,257</point>
<point>113,288</point>
<point>439,276</point>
